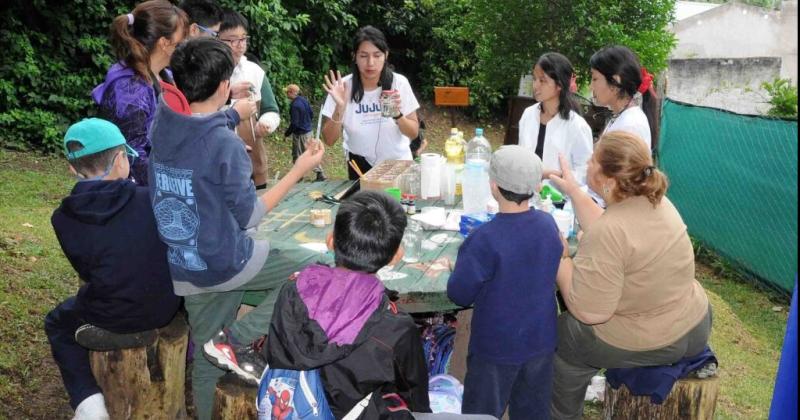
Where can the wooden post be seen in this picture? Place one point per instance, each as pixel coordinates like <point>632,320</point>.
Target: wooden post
<point>146,382</point>
<point>234,399</point>
<point>694,399</point>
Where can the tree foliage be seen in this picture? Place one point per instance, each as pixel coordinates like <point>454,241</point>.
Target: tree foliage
<point>55,52</point>
<point>511,34</point>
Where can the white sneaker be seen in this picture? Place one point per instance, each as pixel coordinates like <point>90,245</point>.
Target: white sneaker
<point>92,408</point>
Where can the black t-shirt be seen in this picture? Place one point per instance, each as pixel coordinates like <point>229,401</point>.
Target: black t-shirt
<point>540,141</point>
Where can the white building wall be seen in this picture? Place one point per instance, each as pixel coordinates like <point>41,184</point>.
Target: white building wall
<point>735,30</point>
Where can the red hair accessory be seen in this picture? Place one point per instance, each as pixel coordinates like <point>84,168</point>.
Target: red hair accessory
<point>647,81</point>
<point>573,83</point>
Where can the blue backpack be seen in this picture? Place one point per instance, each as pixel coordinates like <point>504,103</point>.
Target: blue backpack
<point>285,394</point>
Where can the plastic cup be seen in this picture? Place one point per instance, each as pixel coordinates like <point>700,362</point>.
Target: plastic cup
<point>394,192</point>
<point>564,222</point>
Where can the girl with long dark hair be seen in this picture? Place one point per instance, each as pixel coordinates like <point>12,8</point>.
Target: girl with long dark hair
<point>143,42</point>
<point>554,125</point>
<point>620,83</point>
<point>353,106</point>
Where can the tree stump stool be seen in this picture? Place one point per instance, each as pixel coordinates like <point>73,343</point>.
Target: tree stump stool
<point>146,382</point>
<point>234,399</point>
<point>690,398</point>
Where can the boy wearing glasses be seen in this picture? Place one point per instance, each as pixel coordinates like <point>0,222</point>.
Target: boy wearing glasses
<point>205,17</point>
<point>123,293</point>
<point>250,81</point>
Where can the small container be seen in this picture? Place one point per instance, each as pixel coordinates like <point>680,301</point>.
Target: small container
<point>404,203</point>
<point>411,205</point>
<point>388,109</point>
<point>320,217</point>
<point>412,242</point>
<point>394,192</point>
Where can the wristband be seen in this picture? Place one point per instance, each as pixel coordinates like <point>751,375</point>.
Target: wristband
<point>398,117</point>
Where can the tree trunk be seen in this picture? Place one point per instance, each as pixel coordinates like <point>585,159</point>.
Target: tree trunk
<point>234,399</point>
<point>694,399</point>
<point>146,382</point>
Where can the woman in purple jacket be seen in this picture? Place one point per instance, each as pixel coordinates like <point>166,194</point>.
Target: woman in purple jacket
<point>143,41</point>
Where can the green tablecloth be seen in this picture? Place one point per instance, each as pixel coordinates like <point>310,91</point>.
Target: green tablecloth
<point>422,286</point>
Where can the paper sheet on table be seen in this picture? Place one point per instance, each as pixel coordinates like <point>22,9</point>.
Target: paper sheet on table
<point>433,221</point>
<point>316,247</point>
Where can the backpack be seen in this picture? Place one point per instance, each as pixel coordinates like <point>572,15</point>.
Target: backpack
<point>285,394</point>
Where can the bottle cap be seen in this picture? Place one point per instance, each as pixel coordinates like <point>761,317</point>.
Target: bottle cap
<point>478,132</point>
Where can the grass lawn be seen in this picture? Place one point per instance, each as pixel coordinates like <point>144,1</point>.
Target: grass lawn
<point>747,334</point>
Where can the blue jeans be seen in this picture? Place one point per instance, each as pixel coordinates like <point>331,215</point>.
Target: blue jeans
<point>524,388</point>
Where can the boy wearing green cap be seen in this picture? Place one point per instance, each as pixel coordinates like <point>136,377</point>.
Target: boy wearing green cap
<point>108,233</point>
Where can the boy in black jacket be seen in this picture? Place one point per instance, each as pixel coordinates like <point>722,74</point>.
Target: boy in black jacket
<point>341,321</point>
<point>107,232</point>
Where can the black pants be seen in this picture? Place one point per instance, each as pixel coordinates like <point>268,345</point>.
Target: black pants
<point>73,359</point>
<point>361,162</point>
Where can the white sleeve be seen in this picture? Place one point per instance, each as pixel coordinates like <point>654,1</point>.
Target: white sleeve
<point>408,101</point>
<point>328,107</point>
<point>528,129</point>
<point>582,147</point>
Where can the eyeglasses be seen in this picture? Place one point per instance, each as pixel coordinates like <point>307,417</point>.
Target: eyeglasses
<point>205,30</point>
<point>236,42</point>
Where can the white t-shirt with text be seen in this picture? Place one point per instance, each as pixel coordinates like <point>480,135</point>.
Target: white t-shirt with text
<point>366,132</point>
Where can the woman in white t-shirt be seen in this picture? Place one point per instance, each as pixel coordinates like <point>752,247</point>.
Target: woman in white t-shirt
<point>622,85</point>
<point>353,106</point>
<point>553,126</point>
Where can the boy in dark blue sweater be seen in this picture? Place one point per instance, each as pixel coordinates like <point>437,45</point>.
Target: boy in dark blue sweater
<point>206,207</point>
<point>507,269</point>
<point>107,232</point>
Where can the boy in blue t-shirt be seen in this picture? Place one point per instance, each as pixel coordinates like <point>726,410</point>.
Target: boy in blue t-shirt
<point>507,269</point>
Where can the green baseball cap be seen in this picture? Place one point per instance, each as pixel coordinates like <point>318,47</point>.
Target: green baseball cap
<point>95,135</point>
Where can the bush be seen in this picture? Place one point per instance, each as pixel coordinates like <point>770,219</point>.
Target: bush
<point>783,98</point>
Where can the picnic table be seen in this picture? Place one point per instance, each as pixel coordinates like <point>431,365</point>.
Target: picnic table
<point>422,286</point>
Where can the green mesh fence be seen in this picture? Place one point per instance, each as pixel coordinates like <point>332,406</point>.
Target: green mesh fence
<point>734,179</point>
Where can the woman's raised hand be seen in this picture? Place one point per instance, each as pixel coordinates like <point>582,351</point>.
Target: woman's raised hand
<point>336,87</point>
<point>565,183</point>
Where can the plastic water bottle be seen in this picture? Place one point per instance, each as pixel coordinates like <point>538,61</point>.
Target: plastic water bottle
<point>568,208</point>
<point>476,187</point>
<point>479,148</point>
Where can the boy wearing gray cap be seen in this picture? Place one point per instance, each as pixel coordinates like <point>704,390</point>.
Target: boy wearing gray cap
<point>507,269</point>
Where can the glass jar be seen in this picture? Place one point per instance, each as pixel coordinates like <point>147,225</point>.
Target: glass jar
<point>388,108</point>
<point>412,242</point>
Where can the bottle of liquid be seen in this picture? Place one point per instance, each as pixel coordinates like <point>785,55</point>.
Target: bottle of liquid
<point>454,152</point>
<point>479,149</point>
<point>476,188</point>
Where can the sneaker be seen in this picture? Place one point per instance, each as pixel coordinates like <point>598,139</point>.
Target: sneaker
<point>707,371</point>
<point>98,339</point>
<point>92,407</point>
<point>320,177</point>
<point>245,361</point>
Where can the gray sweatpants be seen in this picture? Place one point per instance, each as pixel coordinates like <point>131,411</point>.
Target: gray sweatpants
<point>299,146</point>
<point>581,354</point>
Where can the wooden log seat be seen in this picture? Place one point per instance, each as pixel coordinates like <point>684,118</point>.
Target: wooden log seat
<point>146,382</point>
